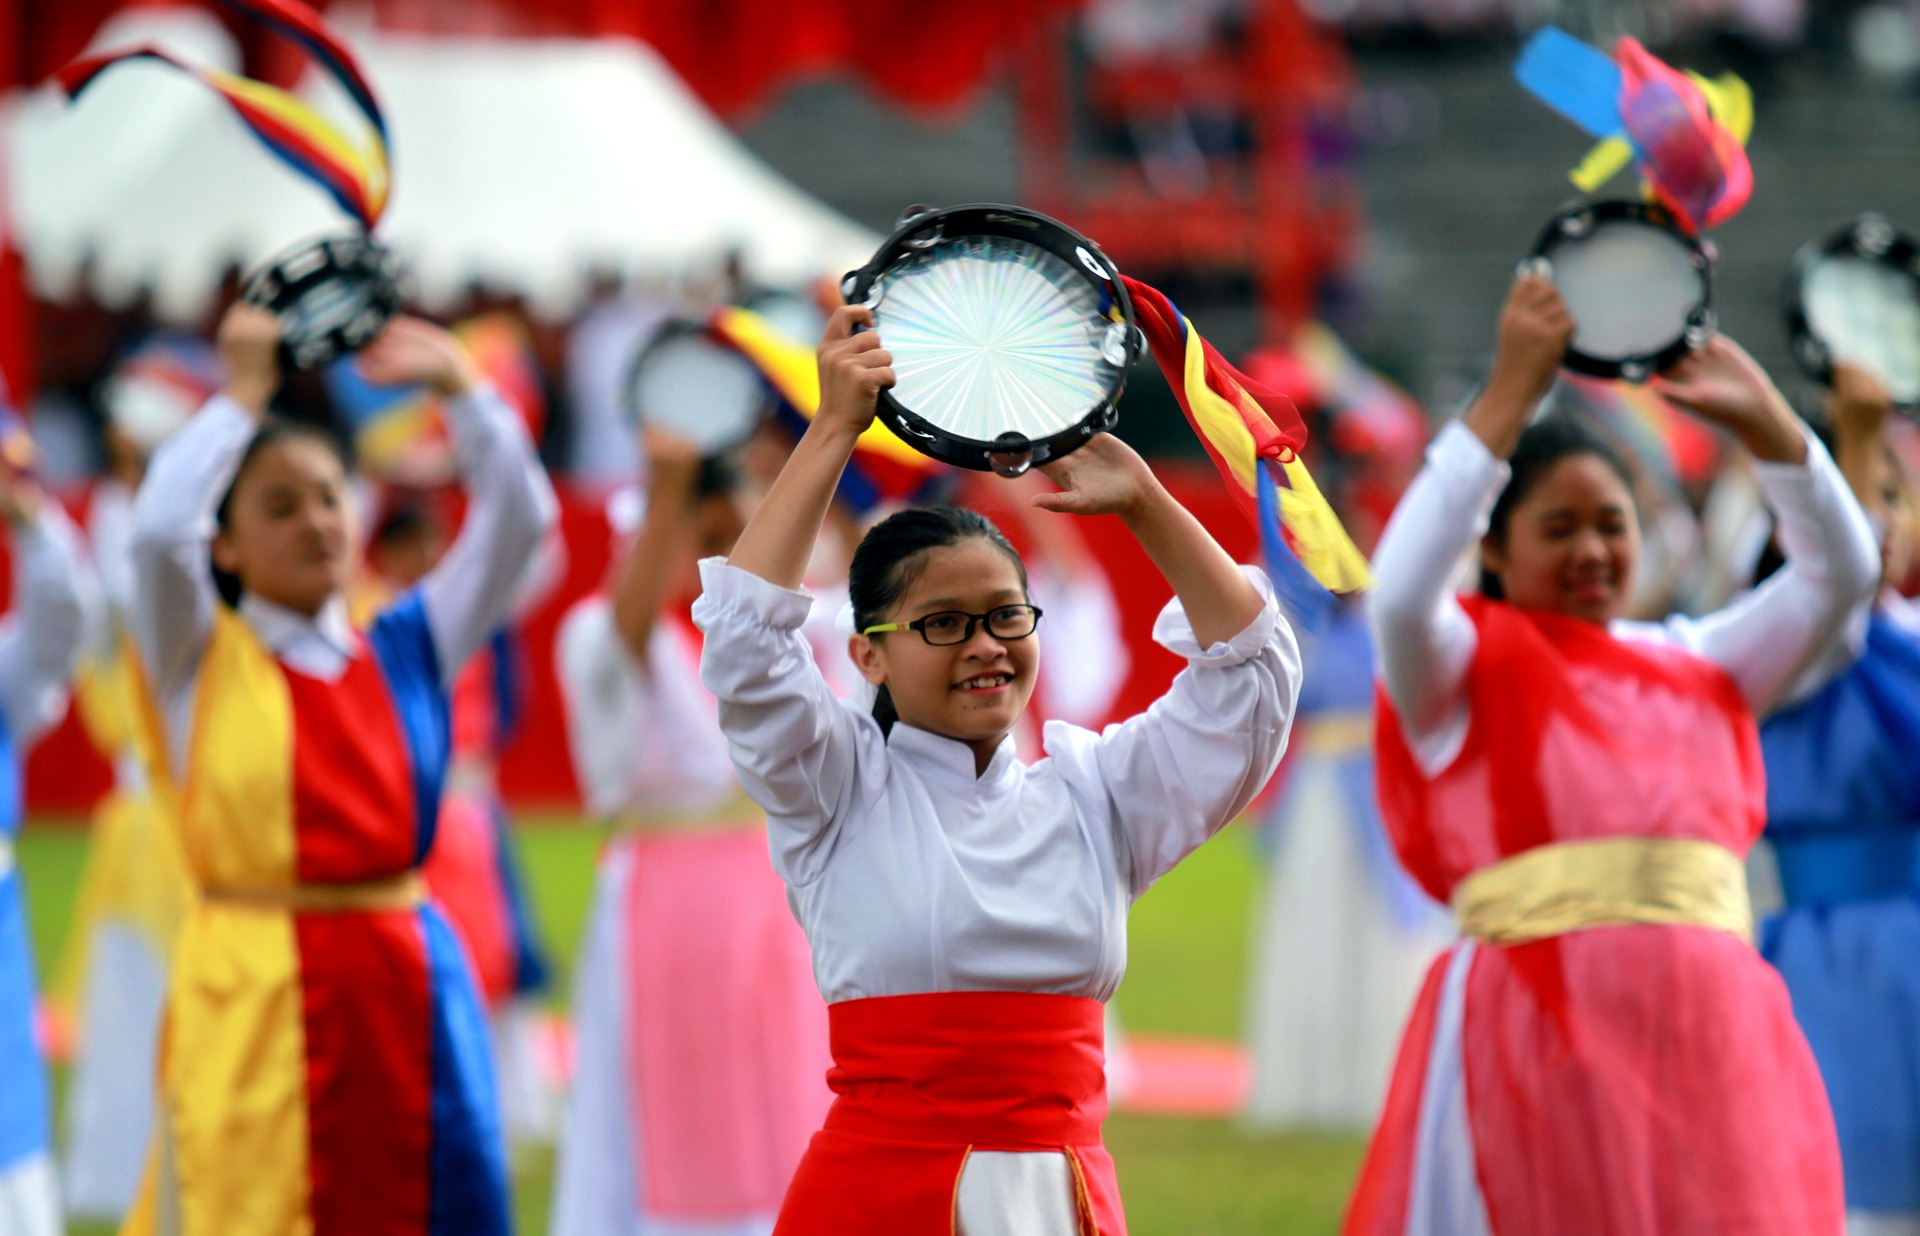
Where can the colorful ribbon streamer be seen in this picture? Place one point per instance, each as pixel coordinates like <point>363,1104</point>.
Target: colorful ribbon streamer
<point>1256,448</point>
<point>1688,133</point>
<point>883,468</point>
<point>355,174</point>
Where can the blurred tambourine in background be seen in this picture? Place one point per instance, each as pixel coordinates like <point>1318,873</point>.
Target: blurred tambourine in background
<point>1854,296</point>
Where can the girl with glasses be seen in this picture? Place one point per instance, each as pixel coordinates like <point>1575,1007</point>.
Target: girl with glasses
<point>967,912</point>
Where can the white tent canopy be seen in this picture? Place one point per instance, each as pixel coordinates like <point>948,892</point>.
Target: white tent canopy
<point>518,165</point>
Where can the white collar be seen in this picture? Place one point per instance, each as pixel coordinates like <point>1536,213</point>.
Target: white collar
<point>279,628</point>
<point>950,757</point>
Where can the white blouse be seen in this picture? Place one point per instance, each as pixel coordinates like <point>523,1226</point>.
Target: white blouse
<point>466,596</point>
<point>1765,641</point>
<point>911,874</point>
<point>55,602</point>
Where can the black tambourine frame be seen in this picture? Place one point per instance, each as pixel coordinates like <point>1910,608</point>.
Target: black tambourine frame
<point>1869,238</point>
<point>1578,221</point>
<point>1011,453</point>
<point>333,296</point>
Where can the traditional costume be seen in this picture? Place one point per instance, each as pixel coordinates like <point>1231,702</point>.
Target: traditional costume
<point>325,1066</point>
<point>1843,816</point>
<point>1605,1053</point>
<point>1342,935</point>
<point>38,645</point>
<point>473,872</point>
<point>967,927</point>
<point>701,1042</point>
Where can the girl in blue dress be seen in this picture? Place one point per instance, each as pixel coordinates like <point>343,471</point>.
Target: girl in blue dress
<point>1843,814</point>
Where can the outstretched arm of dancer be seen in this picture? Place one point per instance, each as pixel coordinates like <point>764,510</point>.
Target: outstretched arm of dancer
<point>644,574</point>
<point>1858,406</point>
<point>1424,638</point>
<point>1768,638</point>
<point>55,597</point>
<point>794,747</point>
<point>854,368</point>
<point>510,503</point>
<point>1178,772</point>
<point>1106,477</point>
<point>174,512</point>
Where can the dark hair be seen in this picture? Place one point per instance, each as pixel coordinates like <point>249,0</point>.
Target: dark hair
<point>1542,446</point>
<point>273,431</point>
<point>891,556</point>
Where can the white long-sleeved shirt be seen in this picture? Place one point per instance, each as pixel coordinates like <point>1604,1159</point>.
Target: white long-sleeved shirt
<point>54,602</point>
<point>466,595</point>
<point>1764,641</point>
<point>912,874</point>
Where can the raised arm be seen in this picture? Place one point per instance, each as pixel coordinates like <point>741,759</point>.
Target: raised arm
<point>1767,638</point>
<point>510,504</point>
<point>779,538</point>
<point>56,596</point>
<point>1424,638</point>
<point>1106,477</point>
<point>175,509</point>
<point>641,579</point>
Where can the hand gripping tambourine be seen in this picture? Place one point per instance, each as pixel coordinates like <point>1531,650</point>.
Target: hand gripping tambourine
<point>684,380</point>
<point>1855,296</point>
<point>332,296</point>
<point>1011,335</point>
<point>1638,287</point>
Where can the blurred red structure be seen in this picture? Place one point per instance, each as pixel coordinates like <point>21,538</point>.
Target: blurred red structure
<point>928,55</point>
<point>1256,180</point>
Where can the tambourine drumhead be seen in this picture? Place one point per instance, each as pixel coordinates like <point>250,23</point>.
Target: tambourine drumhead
<point>1010,335</point>
<point>332,296</point>
<point>1856,297</point>
<point>1638,288</point>
<point>687,382</point>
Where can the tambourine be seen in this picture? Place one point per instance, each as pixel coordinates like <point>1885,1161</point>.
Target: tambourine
<point>1855,296</point>
<point>1011,335</point>
<point>1639,288</point>
<point>685,381</point>
<point>332,296</point>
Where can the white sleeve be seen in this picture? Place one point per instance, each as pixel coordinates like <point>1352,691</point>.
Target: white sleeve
<point>173,523</point>
<point>1767,639</point>
<point>55,598</point>
<point>1182,770</point>
<point>796,748</point>
<point>1425,641</point>
<point>601,708</point>
<point>510,506</point>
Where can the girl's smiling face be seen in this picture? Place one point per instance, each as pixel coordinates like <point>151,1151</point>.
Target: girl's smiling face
<point>972,691</point>
<point>1572,543</point>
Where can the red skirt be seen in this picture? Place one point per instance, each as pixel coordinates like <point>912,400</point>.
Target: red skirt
<point>921,1081</point>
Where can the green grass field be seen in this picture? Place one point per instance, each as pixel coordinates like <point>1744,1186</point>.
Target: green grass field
<point>1188,960</point>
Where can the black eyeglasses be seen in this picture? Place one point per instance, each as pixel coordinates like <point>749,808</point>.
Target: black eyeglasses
<point>954,626</point>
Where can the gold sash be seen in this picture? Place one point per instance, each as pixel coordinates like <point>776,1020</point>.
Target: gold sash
<point>402,892</point>
<point>736,811</point>
<point>1573,885</point>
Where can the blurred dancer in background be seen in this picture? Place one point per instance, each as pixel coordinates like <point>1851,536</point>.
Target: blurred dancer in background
<point>700,1067</point>
<point>1843,816</point>
<point>326,1066</point>
<point>40,641</point>
<point>112,981</point>
<point>1605,1052</point>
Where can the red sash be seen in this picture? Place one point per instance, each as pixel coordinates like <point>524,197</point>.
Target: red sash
<point>920,1081</point>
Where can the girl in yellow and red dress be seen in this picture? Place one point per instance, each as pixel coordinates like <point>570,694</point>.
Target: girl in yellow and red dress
<point>1605,1053</point>
<point>966,911</point>
<point>326,1066</point>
